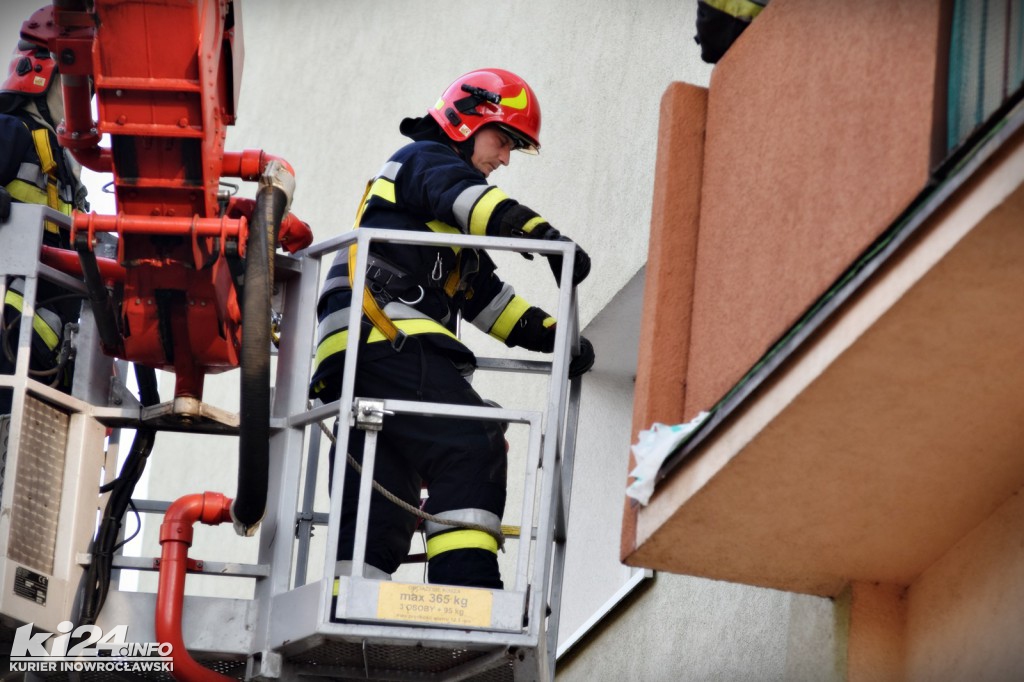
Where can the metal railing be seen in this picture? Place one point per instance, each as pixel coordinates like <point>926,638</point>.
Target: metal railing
<point>336,625</point>
<point>309,628</point>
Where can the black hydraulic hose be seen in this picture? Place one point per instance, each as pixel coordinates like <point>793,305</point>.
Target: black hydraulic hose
<point>100,299</point>
<point>93,588</point>
<point>71,5</point>
<point>254,409</point>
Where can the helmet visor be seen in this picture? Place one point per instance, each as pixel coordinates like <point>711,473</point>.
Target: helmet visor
<point>519,141</point>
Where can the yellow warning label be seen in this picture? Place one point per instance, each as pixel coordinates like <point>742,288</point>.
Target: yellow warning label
<point>441,604</point>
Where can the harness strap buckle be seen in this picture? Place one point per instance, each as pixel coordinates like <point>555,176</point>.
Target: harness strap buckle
<point>399,341</point>
<point>380,292</point>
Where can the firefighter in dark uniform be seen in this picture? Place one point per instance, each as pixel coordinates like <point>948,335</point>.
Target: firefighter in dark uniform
<point>720,23</point>
<point>35,169</point>
<point>438,183</point>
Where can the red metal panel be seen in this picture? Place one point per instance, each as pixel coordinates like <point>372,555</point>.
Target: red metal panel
<point>166,75</point>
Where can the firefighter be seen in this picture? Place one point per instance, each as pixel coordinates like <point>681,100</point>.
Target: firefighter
<point>720,23</point>
<point>438,183</point>
<point>35,169</point>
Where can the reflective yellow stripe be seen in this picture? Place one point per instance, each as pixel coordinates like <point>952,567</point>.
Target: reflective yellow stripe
<point>515,309</point>
<point>383,188</point>
<point>39,326</point>
<point>549,322</point>
<point>481,214</point>
<point>741,9</point>
<point>460,539</point>
<point>336,343</point>
<point>528,227</point>
<point>26,193</point>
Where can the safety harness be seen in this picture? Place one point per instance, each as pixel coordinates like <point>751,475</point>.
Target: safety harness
<point>40,183</point>
<point>371,307</point>
<point>473,528</point>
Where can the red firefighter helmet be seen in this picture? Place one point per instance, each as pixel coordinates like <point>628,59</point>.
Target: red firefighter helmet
<point>30,72</point>
<point>490,96</point>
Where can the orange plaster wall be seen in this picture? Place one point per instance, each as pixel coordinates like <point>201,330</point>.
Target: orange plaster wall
<point>668,293</point>
<point>876,647</point>
<point>960,620</point>
<point>819,132</point>
<point>965,619</point>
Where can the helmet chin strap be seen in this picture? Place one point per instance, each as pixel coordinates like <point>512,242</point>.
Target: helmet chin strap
<point>52,105</point>
<point>465,148</point>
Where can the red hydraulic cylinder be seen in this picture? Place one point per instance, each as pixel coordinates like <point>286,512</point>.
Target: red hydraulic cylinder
<point>249,164</point>
<point>175,539</point>
<point>67,261</point>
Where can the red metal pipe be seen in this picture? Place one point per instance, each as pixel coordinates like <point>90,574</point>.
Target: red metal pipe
<point>175,539</point>
<point>95,158</point>
<point>68,261</point>
<point>67,29</point>
<point>157,225</point>
<point>249,164</point>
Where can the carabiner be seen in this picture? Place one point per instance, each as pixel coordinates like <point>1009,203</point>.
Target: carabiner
<point>438,272</point>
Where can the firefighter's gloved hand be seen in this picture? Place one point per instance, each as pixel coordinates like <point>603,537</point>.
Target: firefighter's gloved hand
<point>580,263</point>
<point>584,361</point>
<point>5,205</point>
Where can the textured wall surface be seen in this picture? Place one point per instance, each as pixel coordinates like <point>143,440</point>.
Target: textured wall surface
<point>975,588</point>
<point>800,131</point>
<point>682,628</point>
<point>668,295</point>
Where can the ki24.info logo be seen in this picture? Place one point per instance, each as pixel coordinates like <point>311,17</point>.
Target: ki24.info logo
<point>86,649</point>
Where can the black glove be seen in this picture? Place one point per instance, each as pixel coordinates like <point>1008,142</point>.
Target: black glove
<point>5,205</point>
<point>580,263</point>
<point>584,361</point>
